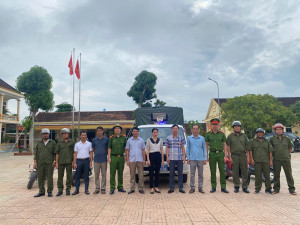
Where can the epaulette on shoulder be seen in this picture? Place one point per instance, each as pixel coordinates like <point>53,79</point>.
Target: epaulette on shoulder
<point>123,135</point>
<point>111,136</point>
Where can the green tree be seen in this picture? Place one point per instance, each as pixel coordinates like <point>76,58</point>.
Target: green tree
<point>159,103</point>
<point>296,109</point>
<point>256,111</point>
<point>35,85</point>
<point>191,123</point>
<point>64,107</point>
<point>143,89</point>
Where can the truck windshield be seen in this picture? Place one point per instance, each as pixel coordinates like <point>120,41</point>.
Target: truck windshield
<point>163,132</point>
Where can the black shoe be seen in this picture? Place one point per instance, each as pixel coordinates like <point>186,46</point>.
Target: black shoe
<point>121,190</point>
<point>293,193</point>
<point>212,190</point>
<point>246,190</point>
<point>236,189</point>
<point>170,191</point>
<point>257,191</point>
<point>130,192</point>
<point>59,193</point>
<point>224,190</point>
<point>68,193</point>
<point>156,190</point>
<point>182,191</point>
<point>142,191</point>
<point>75,192</point>
<point>269,191</point>
<point>50,194</point>
<point>112,192</point>
<point>39,195</point>
<point>87,192</point>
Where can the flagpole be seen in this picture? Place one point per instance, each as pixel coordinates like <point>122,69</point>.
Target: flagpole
<point>79,96</point>
<point>73,60</point>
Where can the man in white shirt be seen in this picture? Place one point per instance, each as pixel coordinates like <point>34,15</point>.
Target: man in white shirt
<point>82,161</point>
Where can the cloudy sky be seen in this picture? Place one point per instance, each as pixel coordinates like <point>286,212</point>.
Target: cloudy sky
<point>247,46</point>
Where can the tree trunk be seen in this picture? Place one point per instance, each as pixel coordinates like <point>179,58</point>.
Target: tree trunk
<point>31,133</point>
<point>141,101</point>
<point>25,138</point>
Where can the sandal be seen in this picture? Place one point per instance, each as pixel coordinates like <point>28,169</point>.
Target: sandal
<point>157,191</point>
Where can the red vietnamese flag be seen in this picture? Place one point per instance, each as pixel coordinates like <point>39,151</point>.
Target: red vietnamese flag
<point>77,71</point>
<point>70,65</point>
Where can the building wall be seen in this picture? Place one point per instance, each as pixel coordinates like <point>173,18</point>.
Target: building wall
<point>214,113</point>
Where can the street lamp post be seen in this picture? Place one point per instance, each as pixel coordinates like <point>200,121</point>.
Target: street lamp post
<point>218,96</point>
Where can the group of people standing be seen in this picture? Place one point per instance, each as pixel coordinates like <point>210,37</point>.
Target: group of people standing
<point>262,153</point>
<point>214,149</point>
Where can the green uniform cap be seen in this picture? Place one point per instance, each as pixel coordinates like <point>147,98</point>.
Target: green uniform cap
<point>117,125</point>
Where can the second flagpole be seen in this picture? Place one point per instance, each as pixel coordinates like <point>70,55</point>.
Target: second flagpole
<point>79,96</point>
<point>73,109</point>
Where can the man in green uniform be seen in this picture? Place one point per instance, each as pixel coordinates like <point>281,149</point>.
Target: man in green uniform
<point>115,152</point>
<point>261,158</point>
<point>44,161</point>
<point>237,145</point>
<point>282,146</point>
<point>216,145</point>
<point>64,157</point>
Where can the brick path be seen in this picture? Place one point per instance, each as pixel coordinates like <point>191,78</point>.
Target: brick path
<point>17,205</point>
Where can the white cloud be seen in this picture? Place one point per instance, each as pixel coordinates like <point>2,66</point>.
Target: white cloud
<point>247,46</point>
<point>199,5</point>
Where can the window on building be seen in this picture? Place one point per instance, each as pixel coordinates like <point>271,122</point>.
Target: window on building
<point>288,129</point>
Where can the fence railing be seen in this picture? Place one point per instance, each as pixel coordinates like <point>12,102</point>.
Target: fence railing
<point>8,117</point>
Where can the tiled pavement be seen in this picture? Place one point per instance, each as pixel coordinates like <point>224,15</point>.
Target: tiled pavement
<point>17,205</point>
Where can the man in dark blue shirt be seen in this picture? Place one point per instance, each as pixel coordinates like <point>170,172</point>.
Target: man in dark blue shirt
<point>99,145</point>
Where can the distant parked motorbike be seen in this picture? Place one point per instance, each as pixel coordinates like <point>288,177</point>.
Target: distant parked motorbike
<point>252,172</point>
<point>82,176</point>
<point>228,171</point>
<point>32,176</point>
<point>228,168</point>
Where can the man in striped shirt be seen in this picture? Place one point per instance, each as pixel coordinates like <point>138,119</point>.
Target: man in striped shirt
<point>175,153</point>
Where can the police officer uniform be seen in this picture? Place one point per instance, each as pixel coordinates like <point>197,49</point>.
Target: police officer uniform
<point>65,151</point>
<point>282,158</point>
<point>238,149</point>
<point>261,150</point>
<point>216,156</point>
<point>44,156</point>
<point>117,146</point>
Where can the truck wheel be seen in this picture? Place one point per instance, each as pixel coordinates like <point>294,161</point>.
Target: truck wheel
<point>32,178</point>
<point>73,178</point>
<point>185,177</point>
<point>137,178</point>
<point>271,177</point>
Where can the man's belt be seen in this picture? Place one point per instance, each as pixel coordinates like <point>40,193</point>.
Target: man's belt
<point>83,159</point>
<point>117,155</point>
<point>217,151</point>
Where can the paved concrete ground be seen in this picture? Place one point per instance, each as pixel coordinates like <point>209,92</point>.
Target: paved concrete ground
<point>17,205</point>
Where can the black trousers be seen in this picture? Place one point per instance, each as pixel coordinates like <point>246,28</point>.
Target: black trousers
<point>155,161</point>
<point>82,167</point>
